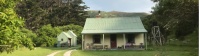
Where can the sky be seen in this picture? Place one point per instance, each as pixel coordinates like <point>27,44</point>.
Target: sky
<point>120,5</point>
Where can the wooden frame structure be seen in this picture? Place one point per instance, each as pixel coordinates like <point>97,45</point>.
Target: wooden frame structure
<point>156,36</point>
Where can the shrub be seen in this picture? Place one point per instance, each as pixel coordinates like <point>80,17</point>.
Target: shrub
<point>47,36</point>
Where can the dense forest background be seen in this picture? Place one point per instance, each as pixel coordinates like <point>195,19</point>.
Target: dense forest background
<point>35,23</point>
<point>104,14</point>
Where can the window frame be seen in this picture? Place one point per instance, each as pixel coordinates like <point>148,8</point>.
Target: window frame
<point>130,38</point>
<point>96,39</point>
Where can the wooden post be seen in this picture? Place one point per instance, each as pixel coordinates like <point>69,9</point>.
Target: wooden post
<point>160,36</point>
<point>103,41</point>
<point>124,40</point>
<point>82,42</point>
<point>145,35</point>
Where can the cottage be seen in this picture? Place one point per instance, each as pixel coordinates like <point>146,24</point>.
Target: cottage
<point>67,39</point>
<point>114,33</point>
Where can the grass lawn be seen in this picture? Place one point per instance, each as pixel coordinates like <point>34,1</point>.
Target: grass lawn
<point>39,51</point>
<point>128,53</point>
<point>167,50</point>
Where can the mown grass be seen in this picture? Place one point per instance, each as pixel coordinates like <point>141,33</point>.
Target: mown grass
<point>129,53</point>
<point>39,51</point>
<point>159,51</point>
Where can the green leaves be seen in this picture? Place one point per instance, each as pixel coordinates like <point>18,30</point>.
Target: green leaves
<point>38,13</point>
<point>10,24</point>
<point>2,1</point>
<point>47,36</point>
<point>179,16</point>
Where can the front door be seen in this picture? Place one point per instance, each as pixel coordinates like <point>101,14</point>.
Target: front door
<point>69,42</point>
<point>113,41</point>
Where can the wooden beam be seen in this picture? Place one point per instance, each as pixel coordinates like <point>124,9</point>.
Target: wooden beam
<point>82,42</point>
<point>145,35</point>
<point>124,40</point>
<point>103,41</point>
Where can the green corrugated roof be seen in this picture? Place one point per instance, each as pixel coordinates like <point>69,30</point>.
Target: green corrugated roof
<point>113,25</point>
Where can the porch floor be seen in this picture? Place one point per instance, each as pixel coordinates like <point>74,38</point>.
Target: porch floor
<point>119,49</point>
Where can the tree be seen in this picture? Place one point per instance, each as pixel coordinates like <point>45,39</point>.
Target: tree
<point>30,34</point>
<point>47,36</point>
<point>42,12</point>
<point>179,16</point>
<point>11,37</point>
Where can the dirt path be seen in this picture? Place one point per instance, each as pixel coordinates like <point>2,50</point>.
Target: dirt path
<point>52,54</point>
<point>68,53</point>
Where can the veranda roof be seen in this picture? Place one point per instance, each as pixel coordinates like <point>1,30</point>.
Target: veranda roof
<point>113,25</point>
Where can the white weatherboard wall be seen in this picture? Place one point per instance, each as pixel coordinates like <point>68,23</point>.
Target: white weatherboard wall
<point>65,37</point>
<point>107,40</point>
<point>120,40</point>
<point>62,36</point>
<point>139,39</point>
<point>73,38</point>
<point>88,39</point>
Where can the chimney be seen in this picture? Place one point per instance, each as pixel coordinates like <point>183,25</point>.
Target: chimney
<point>99,14</point>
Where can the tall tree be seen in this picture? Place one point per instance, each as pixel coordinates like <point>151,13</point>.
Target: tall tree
<point>179,16</point>
<point>55,12</point>
<point>11,36</point>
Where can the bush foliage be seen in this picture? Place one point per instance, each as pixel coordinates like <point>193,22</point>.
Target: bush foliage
<point>11,35</point>
<point>47,35</point>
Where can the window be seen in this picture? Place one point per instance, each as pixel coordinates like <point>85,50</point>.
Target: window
<point>62,39</point>
<point>96,38</point>
<point>130,38</point>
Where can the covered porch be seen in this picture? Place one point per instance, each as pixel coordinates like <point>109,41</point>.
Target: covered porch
<point>114,41</point>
